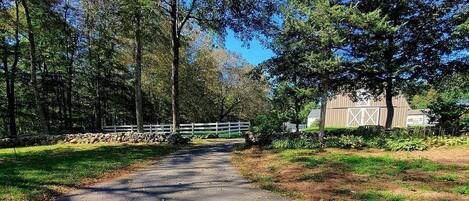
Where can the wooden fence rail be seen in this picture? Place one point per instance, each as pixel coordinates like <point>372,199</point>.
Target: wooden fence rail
<point>186,129</point>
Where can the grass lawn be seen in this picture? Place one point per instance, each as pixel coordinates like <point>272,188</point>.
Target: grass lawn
<point>337,174</point>
<point>41,172</point>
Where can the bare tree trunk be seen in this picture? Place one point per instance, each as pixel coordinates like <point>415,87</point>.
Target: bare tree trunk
<point>389,105</point>
<point>322,122</point>
<point>175,65</point>
<point>138,70</point>
<point>10,77</point>
<point>297,115</point>
<point>98,107</point>
<point>70,48</point>
<point>40,106</point>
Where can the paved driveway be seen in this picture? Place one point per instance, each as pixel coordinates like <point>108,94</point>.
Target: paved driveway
<point>202,173</point>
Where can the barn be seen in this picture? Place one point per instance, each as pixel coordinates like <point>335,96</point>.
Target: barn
<point>342,111</point>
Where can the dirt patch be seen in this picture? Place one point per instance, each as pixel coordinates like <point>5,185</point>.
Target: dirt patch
<point>447,155</point>
<point>331,182</point>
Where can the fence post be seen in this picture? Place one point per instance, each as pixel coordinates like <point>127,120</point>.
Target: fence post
<point>229,129</point>
<point>131,128</point>
<point>239,127</point>
<point>115,129</point>
<point>151,130</point>
<point>216,128</point>
<point>192,132</point>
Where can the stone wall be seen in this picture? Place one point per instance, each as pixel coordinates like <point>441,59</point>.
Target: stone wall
<point>87,138</point>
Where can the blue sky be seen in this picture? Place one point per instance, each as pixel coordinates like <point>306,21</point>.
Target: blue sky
<point>255,54</point>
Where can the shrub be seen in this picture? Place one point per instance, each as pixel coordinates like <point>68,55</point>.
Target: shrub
<point>351,141</point>
<point>295,144</point>
<point>332,141</point>
<point>437,141</point>
<point>266,124</point>
<point>406,144</point>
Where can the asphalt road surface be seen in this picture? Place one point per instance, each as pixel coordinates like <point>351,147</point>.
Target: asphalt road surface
<point>202,173</point>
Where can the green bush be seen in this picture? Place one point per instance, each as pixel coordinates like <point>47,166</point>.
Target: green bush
<point>295,144</point>
<point>266,124</point>
<point>437,141</point>
<point>351,141</point>
<point>406,144</point>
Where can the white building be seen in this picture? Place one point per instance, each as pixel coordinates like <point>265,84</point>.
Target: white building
<point>418,118</point>
<point>313,116</point>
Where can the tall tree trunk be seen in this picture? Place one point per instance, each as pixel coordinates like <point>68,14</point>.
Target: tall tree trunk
<point>138,69</point>
<point>10,89</point>
<point>40,105</point>
<point>297,115</point>
<point>69,52</point>
<point>97,107</point>
<point>322,120</point>
<point>69,94</point>
<point>389,105</point>
<point>10,77</point>
<point>175,65</point>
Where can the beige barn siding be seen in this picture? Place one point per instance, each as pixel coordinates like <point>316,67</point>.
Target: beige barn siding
<point>343,101</point>
<point>340,101</point>
<point>399,119</point>
<point>336,115</point>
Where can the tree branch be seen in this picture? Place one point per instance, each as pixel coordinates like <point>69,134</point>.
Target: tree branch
<point>188,15</point>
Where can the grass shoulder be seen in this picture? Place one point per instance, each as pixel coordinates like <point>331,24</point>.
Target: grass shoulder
<point>42,172</point>
<point>368,174</point>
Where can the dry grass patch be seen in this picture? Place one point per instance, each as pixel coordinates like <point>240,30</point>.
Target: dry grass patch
<point>336,174</point>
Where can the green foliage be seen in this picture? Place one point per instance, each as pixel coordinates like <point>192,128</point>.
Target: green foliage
<point>437,141</point>
<point>464,190</point>
<point>266,124</point>
<point>306,110</point>
<point>445,108</point>
<point>377,196</point>
<point>398,139</point>
<point>290,99</point>
<point>351,141</point>
<point>423,100</point>
<point>295,144</point>
<point>406,144</point>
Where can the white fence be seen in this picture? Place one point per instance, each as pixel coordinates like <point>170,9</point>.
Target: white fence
<point>186,129</point>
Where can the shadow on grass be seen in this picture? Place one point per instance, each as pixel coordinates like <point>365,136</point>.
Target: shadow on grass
<point>39,173</point>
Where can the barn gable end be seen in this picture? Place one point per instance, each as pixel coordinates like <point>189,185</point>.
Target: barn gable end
<point>342,111</point>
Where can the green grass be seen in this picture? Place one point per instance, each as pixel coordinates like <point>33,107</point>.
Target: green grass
<point>378,196</point>
<point>37,172</point>
<point>464,190</point>
<point>365,165</point>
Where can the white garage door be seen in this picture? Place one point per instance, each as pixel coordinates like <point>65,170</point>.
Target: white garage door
<point>362,116</point>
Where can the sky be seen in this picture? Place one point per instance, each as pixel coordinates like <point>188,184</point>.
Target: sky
<point>255,54</point>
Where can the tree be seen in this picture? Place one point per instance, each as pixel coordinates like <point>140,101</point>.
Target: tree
<point>445,108</point>
<point>307,48</point>
<point>395,45</point>
<point>138,67</point>
<point>291,99</point>
<point>10,74</point>
<point>244,17</point>
<point>307,109</point>
<point>40,105</point>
